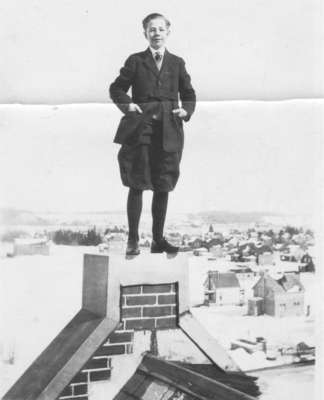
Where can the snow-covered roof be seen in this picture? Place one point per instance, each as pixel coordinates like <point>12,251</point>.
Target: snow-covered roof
<point>30,241</point>
<point>282,285</point>
<point>223,279</point>
<point>290,281</point>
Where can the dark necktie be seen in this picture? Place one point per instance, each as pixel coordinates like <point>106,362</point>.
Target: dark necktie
<point>158,59</point>
<point>158,56</point>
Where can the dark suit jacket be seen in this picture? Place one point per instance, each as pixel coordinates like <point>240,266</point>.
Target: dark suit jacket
<point>151,87</point>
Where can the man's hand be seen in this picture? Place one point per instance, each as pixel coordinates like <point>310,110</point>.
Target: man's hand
<point>132,107</point>
<point>180,112</point>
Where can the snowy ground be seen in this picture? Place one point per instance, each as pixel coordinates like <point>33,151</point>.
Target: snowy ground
<point>40,294</point>
<point>231,323</point>
<point>228,323</point>
<point>290,383</point>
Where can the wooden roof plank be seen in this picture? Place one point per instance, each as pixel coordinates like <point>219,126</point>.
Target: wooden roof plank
<point>55,367</point>
<point>190,382</point>
<point>206,343</point>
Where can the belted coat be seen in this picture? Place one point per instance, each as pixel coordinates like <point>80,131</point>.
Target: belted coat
<point>152,88</point>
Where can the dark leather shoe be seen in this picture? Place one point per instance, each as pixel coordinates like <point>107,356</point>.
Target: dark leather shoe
<point>132,249</point>
<point>163,246</point>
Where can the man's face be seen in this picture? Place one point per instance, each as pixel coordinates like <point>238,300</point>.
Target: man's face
<point>156,33</point>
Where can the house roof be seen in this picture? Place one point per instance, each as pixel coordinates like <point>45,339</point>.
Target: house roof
<point>63,358</point>
<point>223,280</point>
<point>289,281</point>
<point>241,270</point>
<point>157,379</point>
<point>282,285</point>
<point>30,241</point>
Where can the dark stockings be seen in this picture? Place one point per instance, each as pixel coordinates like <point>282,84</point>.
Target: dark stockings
<point>134,210</point>
<point>159,209</point>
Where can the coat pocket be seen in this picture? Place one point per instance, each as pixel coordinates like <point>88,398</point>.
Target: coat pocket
<point>177,121</point>
<point>127,128</point>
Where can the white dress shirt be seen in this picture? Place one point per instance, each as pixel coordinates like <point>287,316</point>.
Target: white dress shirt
<point>160,51</point>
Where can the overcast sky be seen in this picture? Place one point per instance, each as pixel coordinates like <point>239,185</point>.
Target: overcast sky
<point>239,156</point>
<point>69,51</point>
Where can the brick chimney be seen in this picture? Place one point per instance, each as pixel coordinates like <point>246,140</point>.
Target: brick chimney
<point>126,306</point>
<point>143,295</point>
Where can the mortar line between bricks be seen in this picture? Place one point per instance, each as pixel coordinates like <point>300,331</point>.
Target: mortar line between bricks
<point>150,305</point>
<point>140,318</point>
<point>117,344</point>
<point>147,294</point>
<point>137,305</point>
<point>113,345</point>
<point>99,357</point>
<point>92,370</point>
<point>78,384</point>
<point>76,396</point>
<point>72,387</point>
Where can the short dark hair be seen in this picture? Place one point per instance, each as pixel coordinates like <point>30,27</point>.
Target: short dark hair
<point>149,18</point>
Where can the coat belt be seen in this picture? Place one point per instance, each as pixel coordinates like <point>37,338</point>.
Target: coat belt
<point>156,98</point>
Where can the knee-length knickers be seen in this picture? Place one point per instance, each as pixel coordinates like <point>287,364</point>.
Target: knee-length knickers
<point>147,166</point>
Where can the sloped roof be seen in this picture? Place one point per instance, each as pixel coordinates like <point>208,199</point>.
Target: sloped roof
<point>223,280</point>
<point>30,241</point>
<point>281,285</point>
<point>288,281</point>
<point>270,283</point>
<point>241,270</point>
<point>157,379</point>
<point>63,358</point>
<point>236,380</point>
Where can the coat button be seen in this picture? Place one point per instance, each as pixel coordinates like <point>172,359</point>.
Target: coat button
<point>159,83</point>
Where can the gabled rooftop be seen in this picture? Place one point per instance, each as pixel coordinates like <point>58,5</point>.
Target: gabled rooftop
<point>284,284</point>
<point>124,304</point>
<point>290,281</point>
<point>220,280</point>
<point>157,379</point>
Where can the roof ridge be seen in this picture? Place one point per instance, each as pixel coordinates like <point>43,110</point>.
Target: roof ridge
<point>196,375</point>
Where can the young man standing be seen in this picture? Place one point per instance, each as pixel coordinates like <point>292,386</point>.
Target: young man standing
<point>151,130</point>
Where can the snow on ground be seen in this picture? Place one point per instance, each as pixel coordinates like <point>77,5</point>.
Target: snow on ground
<point>291,383</point>
<point>40,294</point>
<point>228,323</point>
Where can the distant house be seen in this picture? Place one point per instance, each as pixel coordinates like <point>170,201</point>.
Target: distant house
<point>200,251</point>
<point>255,306</point>
<point>222,288</point>
<point>289,266</point>
<point>217,251</point>
<point>103,247</point>
<point>145,242</point>
<point>281,297</point>
<point>307,264</point>
<point>30,247</point>
<point>215,242</point>
<point>117,237</point>
<point>243,272</point>
<point>197,243</point>
<point>288,257</point>
<point>266,258</point>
